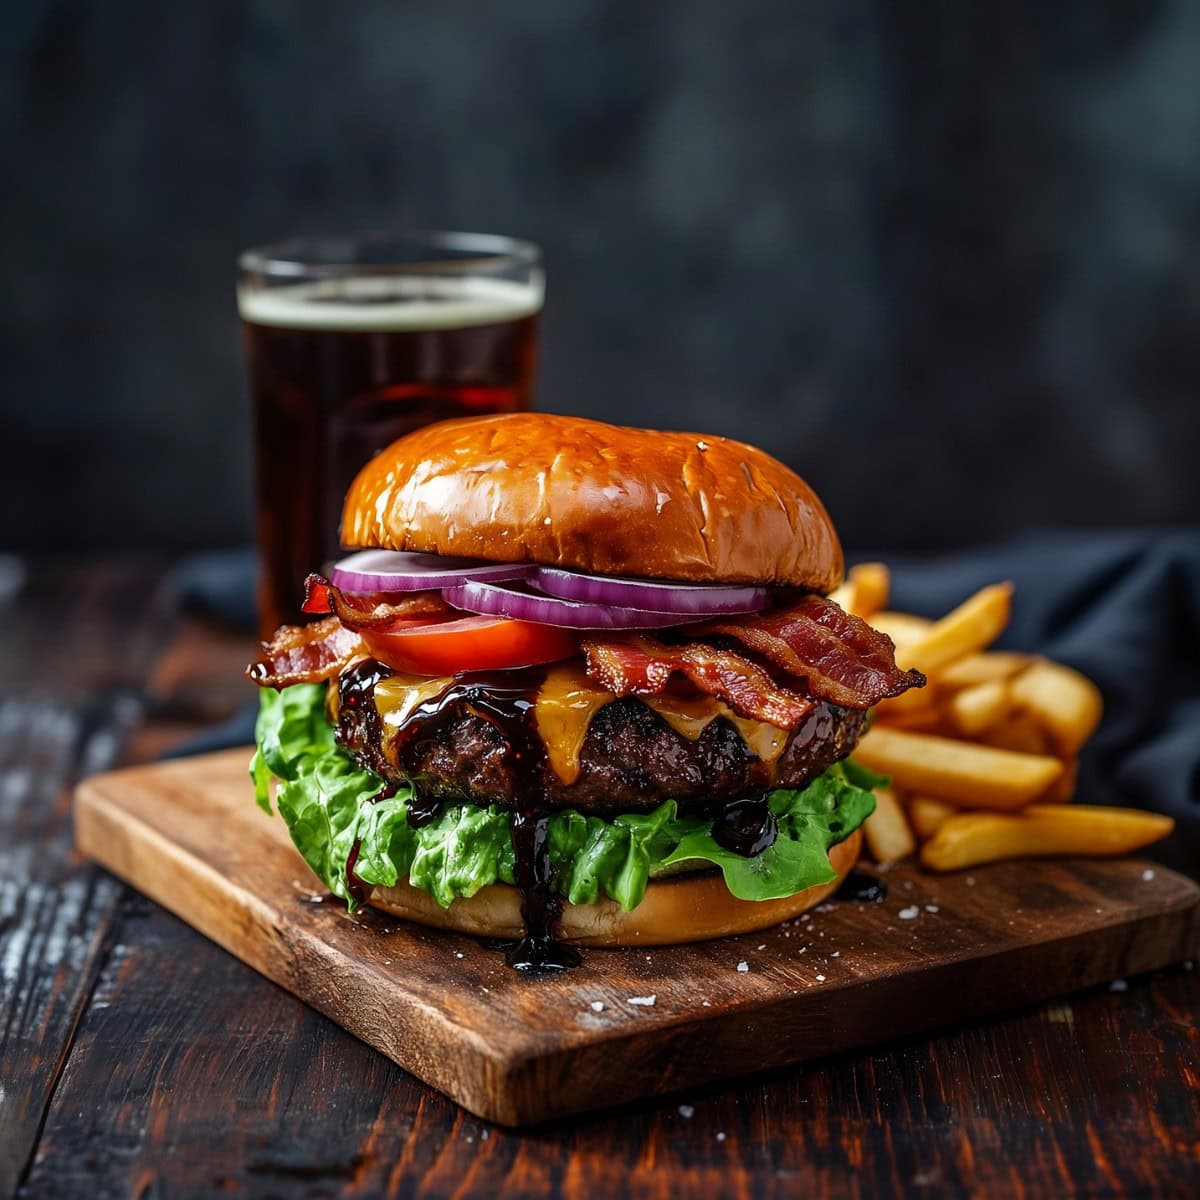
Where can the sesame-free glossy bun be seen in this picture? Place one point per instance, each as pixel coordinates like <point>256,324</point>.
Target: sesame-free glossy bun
<point>681,908</point>
<point>607,499</point>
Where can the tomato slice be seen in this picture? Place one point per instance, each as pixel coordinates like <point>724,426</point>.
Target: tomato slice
<point>470,644</point>
<point>316,595</point>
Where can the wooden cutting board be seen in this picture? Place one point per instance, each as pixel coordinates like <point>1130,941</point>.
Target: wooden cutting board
<point>628,1023</point>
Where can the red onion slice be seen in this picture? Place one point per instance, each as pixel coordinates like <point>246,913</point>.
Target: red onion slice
<point>686,599</point>
<point>490,599</point>
<point>405,571</point>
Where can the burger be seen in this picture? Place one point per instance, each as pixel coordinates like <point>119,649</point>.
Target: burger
<point>579,684</point>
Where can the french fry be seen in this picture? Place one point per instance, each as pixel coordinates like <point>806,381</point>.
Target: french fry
<point>1065,703</point>
<point>914,701</point>
<point>927,815</point>
<point>1063,788</point>
<point>845,595</point>
<point>964,773</point>
<point>975,709</point>
<point>887,831</point>
<point>983,668</point>
<point>930,719</point>
<point>903,628</point>
<point>974,624</point>
<point>1019,732</point>
<point>992,730</point>
<point>872,583</point>
<point>968,839</point>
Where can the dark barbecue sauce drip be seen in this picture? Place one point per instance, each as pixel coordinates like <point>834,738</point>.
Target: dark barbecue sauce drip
<point>506,700</point>
<point>746,826</point>
<point>354,885</point>
<point>423,810</point>
<point>361,727</point>
<point>540,905</point>
<point>356,696</point>
<point>862,885</point>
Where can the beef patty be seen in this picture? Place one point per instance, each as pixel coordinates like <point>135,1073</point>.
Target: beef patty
<point>631,759</point>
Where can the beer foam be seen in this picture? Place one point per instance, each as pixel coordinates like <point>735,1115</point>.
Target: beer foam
<point>391,303</point>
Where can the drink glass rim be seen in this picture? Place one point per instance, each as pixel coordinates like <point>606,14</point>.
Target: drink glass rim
<point>343,253</point>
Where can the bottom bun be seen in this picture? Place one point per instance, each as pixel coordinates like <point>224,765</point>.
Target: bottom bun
<point>681,908</point>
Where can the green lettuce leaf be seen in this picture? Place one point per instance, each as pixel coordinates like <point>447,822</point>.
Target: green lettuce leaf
<point>330,805</point>
<point>291,732</point>
<point>810,821</point>
<point>323,811</point>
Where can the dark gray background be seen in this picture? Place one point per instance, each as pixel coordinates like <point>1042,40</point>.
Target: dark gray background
<point>943,258</point>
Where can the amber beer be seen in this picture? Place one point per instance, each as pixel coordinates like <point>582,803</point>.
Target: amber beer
<point>340,367</point>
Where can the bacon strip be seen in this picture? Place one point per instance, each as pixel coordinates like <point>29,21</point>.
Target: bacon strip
<point>373,611</point>
<point>839,656</point>
<point>633,664</point>
<point>305,654</point>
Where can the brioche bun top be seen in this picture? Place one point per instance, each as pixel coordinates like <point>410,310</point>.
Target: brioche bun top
<point>607,499</point>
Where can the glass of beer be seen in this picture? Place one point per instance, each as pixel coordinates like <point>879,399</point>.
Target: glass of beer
<point>354,341</point>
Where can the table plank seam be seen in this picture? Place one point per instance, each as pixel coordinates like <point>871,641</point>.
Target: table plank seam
<point>86,992</point>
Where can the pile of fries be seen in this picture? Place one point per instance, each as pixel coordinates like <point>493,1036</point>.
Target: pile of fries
<point>982,760</point>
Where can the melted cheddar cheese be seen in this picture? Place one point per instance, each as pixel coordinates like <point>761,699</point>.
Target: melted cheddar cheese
<point>566,703</point>
<point>690,716</point>
<point>399,695</point>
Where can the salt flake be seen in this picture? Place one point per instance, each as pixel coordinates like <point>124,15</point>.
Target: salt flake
<point>643,1001</point>
<point>910,913</point>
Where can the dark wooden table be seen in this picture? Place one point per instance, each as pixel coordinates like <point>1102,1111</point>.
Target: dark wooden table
<point>137,1059</point>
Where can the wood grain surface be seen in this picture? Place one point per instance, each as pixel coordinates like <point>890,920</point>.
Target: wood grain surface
<point>154,1064</point>
<point>518,1049</point>
<point>55,908</point>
